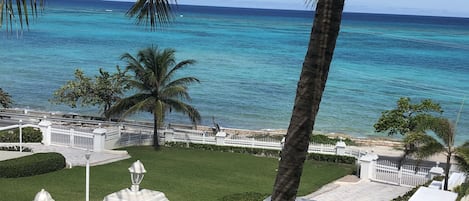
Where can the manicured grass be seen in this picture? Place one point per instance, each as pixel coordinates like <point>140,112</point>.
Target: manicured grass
<point>183,175</point>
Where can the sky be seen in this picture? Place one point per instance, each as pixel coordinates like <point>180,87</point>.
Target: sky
<point>451,8</point>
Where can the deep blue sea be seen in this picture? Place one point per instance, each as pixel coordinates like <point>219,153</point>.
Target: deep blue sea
<point>249,61</point>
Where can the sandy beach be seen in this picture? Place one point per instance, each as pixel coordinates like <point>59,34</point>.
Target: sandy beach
<point>383,146</point>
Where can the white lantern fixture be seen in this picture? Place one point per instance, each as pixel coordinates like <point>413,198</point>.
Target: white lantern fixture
<point>137,171</point>
<point>43,196</point>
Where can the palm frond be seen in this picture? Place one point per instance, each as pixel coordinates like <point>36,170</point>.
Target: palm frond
<point>179,66</point>
<point>152,12</point>
<point>19,12</point>
<point>422,146</point>
<point>175,92</point>
<point>183,81</point>
<point>122,107</point>
<point>184,108</point>
<point>442,127</point>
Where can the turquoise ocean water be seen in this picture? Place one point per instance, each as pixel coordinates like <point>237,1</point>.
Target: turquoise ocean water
<point>249,61</point>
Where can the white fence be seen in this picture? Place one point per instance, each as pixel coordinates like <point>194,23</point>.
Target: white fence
<point>72,138</point>
<point>222,139</point>
<point>407,175</point>
<point>388,172</point>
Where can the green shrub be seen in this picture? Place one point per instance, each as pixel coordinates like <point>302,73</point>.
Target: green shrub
<point>28,135</point>
<point>242,150</point>
<point>323,139</point>
<point>462,190</point>
<point>262,152</point>
<point>248,196</point>
<point>331,158</point>
<point>35,164</point>
<point>15,148</point>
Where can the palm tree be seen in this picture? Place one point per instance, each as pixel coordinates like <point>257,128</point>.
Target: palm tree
<point>426,145</point>
<point>311,86</point>
<point>156,90</point>
<point>5,99</point>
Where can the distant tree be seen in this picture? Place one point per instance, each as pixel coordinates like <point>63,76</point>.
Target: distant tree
<point>155,89</point>
<point>313,77</point>
<point>5,99</point>
<point>103,90</point>
<point>403,119</point>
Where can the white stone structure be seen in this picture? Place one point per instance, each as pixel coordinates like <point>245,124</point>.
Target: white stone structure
<point>431,194</point>
<point>43,196</point>
<point>134,193</point>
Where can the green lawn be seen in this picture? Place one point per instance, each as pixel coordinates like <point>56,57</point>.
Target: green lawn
<point>183,175</point>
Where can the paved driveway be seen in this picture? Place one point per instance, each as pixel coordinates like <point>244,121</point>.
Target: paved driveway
<point>357,190</point>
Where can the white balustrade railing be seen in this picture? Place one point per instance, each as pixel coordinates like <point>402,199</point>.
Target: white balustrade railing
<point>72,138</point>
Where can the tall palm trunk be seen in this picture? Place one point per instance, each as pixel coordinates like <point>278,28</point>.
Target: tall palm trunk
<point>308,96</point>
<point>156,143</point>
<point>447,167</point>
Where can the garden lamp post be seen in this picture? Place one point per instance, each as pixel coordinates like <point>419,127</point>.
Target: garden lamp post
<point>87,156</point>
<point>43,196</point>
<point>20,127</point>
<point>137,172</point>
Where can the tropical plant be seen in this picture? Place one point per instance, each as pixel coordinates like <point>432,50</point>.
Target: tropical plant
<point>155,89</point>
<point>18,12</point>
<point>426,145</point>
<point>104,89</point>
<point>403,119</point>
<point>152,12</point>
<point>311,86</point>
<point>5,99</point>
<point>147,12</point>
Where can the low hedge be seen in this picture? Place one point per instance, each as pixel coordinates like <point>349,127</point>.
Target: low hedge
<point>324,139</point>
<point>331,158</point>
<point>262,152</point>
<point>248,196</point>
<point>35,164</point>
<point>28,134</point>
<point>15,148</point>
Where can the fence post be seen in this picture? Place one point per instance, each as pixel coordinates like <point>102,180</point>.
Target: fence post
<point>340,148</point>
<point>168,135</point>
<point>45,127</point>
<point>203,137</point>
<point>399,176</point>
<point>220,138</point>
<point>436,171</point>
<point>72,136</point>
<point>368,166</point>
<point>99,139</point>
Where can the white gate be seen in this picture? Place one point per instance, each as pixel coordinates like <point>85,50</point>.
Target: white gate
<point>408,175</point>
<point>72,138</point>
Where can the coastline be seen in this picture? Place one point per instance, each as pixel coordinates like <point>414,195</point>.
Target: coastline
<point>276,133</point>
<point>383,146</point>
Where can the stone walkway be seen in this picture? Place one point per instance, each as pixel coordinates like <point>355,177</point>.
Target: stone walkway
<point>73,157</point>
<point>351,188</point>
